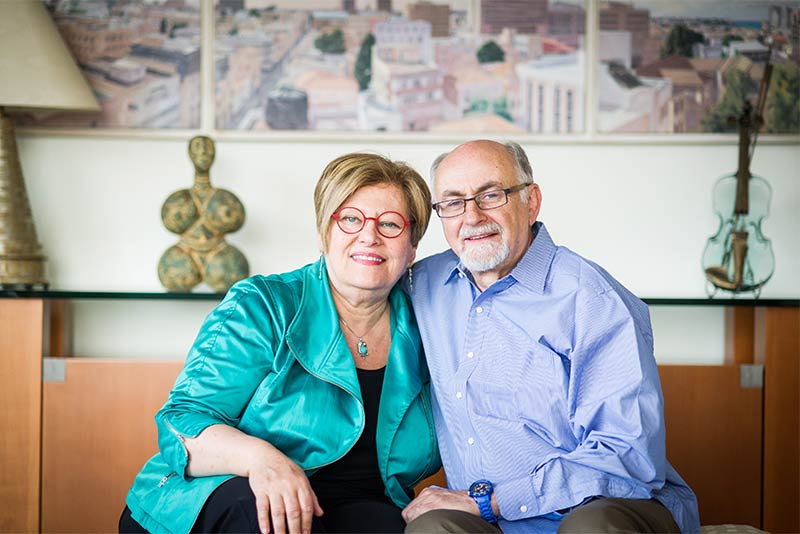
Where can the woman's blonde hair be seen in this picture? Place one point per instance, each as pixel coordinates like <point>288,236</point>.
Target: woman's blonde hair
<point>347,174</point>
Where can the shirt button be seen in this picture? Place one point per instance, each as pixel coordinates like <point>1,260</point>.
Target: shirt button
<point>461,275</point>
<point>459,395</point>
<point>523,508</point>
<point>470,354</point>
<point>479,309</point>
<point>471,441</point>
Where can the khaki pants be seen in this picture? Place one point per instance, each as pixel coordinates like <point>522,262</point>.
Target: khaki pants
<point>604,515</point>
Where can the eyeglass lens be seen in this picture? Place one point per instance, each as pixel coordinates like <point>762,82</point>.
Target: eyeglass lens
<point>352,220</point>
<point>485,201</point>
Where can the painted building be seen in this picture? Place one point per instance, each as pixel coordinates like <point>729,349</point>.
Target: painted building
<point>552,94</point>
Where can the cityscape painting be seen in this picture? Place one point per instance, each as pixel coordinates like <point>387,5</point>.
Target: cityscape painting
<point>140,57</point>
<point>687,66</point>
<point>512,67</point>
<point>474,66</point>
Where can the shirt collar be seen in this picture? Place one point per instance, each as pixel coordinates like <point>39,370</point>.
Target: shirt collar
<point>532,269</point>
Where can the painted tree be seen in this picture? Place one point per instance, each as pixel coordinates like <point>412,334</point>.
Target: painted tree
<point>782,113</point>
<point>680,40</point>
<point>729,38</point>
<point>500,108</point>
<point>490,52</point>
<point>331,43</point>
<point>363,67</point>
<point>722,117</point>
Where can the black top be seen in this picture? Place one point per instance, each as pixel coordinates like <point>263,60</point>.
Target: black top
<point>355,476</point>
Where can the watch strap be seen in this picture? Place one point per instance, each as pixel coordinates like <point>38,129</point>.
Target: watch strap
<point>485,507</point>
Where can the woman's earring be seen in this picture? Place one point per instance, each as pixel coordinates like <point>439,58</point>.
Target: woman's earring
<point>321,264</point>
<point>410,280</point>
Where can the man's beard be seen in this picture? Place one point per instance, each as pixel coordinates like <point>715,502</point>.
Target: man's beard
<point>486,256</point>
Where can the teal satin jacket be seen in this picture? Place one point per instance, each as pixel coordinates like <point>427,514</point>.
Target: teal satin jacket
<point>271,361</point>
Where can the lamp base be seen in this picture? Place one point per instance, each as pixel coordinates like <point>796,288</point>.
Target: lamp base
<point>21,260</point>
<point>22,273</point>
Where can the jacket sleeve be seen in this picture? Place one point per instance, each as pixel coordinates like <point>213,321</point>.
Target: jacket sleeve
<point>230,358</point>
<point>615,414</point>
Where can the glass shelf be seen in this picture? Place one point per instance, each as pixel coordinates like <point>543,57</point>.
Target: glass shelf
<point>107,295</point>
<point>745,302</point>
<point>161,295</point>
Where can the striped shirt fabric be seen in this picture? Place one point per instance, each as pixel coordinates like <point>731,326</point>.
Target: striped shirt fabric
<point>545,384</point>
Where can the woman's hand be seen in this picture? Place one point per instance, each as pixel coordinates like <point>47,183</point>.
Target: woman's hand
<point>283,495</point>
<point>282,490</point>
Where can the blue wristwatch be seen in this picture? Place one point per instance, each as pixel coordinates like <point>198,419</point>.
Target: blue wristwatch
<point>481,491</point>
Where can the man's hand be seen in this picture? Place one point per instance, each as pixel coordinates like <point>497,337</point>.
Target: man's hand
<point>434,498</point>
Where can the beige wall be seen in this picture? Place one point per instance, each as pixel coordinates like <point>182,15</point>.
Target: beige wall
<point>641,209</point>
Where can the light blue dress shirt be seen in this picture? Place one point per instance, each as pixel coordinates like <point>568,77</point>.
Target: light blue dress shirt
<point>545,383</point>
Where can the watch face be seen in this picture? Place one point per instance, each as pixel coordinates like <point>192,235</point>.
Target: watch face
<point>481,487</point>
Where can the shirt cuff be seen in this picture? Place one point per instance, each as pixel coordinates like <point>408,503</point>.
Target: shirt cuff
<point>522,498</point>
<point>516,499</point>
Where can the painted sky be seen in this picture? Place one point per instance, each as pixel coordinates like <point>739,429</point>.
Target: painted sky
<point>755,10</point>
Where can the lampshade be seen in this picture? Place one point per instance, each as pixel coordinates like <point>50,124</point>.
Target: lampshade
<point>36,67</point>
<point>37,72</point>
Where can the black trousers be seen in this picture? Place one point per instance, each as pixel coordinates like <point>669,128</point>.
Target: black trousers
<point>231,508</point>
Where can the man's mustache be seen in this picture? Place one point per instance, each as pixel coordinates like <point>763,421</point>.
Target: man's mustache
<point>471,231</point>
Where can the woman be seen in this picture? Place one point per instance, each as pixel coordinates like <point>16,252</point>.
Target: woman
<point>304,405</point>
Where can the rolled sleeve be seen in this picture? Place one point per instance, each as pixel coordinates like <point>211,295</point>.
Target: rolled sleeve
<point>228,361</point>
<point>550,492</point>
<point>615,417</point>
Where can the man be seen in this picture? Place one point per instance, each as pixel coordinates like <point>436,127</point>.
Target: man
<point>547,400</point>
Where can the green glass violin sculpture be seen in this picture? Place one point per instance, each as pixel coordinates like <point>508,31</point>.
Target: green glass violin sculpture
<point>738,257</point>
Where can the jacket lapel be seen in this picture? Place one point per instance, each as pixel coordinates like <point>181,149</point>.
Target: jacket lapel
<point>403,380</point>
<point>314,336</point>
<point>316,340</point>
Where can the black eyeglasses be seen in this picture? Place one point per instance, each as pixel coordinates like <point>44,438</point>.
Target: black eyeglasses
<point>488,200</point>
<point>352,220</point>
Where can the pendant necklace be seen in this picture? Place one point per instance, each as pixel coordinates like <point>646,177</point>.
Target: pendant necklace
<point>361,346</point>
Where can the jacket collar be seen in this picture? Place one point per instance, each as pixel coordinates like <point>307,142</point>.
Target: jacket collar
<point>316,340</point>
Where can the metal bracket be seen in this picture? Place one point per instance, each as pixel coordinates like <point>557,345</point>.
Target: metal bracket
<point>54,370</point>
<point>751,376</point>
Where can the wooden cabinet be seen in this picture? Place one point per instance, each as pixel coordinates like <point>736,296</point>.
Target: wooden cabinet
<point>21,327</point>
<point>777,335</point>
<point>75,436</point>
<point>97,432</point>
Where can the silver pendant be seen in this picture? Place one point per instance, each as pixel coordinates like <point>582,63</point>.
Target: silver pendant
<point>362,348</point>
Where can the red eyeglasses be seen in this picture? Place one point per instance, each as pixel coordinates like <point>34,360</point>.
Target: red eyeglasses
<point>389,224</point>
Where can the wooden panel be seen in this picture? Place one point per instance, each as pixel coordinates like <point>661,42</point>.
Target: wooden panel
<point>778,348</point>
<point>58,334</point>
<point>98,431</point>
<point>20,409</point>
<point>714,440</point>
<point>436,479</point>
<point>739,335</point>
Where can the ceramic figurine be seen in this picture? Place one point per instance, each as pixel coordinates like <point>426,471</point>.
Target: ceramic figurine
<point>202,216</point>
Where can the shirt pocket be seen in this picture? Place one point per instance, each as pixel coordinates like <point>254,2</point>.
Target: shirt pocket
<point>542,397</point>
<point>492,400</point>
<point>530,388</point>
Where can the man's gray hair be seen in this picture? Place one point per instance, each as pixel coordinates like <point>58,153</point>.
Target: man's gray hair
<point>524,170</point>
